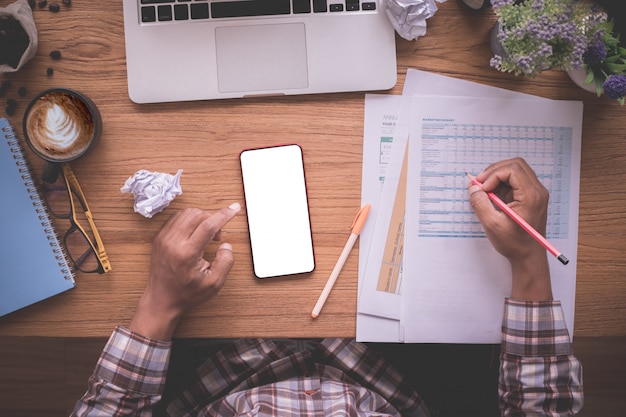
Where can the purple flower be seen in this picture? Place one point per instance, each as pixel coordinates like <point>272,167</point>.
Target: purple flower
<point>615,86</point>
<point>538,35</point>
<point>595,53</point>
<point>525,63</point>
<point>501,3</point>
<point>538,4</point>
<point>496,61</point>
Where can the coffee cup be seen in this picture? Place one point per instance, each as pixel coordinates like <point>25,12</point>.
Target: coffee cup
<point>61,125</point>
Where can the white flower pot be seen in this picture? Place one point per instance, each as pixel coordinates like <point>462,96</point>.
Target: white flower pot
<point>578,75</point>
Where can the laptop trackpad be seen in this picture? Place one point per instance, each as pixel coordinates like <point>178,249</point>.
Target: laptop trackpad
<point>261,57</point>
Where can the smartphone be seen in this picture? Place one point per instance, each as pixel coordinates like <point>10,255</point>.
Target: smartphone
<point>277,207</point>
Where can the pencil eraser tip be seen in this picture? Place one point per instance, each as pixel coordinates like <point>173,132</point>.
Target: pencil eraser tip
<point>563,259</point>
<point>314,315</point>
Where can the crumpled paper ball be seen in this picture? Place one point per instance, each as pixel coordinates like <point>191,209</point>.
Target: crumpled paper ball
<point>153,190</point>
<point>408,17</point>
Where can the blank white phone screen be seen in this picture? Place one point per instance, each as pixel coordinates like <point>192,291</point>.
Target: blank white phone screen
<point>278,211</point>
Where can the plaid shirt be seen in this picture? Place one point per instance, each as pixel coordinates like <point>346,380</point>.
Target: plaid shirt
<point>539,376</point>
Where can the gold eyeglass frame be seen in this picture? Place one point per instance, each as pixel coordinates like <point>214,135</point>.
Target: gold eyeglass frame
<point>74,189</point>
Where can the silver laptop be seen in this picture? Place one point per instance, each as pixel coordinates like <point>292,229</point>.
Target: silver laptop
<point>179,50</point>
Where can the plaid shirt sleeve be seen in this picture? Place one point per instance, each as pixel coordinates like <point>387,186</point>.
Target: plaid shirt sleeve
<point>128,379</point>
<point>539,375</point>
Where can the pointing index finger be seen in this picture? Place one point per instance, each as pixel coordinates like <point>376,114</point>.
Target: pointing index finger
<point>210,227</point>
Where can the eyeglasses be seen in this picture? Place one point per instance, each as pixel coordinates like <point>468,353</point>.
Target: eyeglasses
<point>83,244</point>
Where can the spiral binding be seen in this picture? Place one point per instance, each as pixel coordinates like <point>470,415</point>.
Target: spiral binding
<point>38,202</point>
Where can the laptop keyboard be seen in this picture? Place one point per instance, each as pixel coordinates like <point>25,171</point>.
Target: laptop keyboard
<point>161,11</point>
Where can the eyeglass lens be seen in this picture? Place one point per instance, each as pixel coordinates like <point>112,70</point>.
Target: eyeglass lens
<point>76,244</point>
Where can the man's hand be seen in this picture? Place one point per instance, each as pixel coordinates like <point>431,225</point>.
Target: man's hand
<point>180,277</point>
<point>517,185</point>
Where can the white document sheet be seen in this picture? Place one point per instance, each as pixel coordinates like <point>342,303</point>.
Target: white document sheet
<point>381,129</point>
<point>456,282</point>
<point>387,115</point>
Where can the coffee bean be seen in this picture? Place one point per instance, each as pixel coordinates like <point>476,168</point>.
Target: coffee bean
<point>67,2</point>
<point>21,91</point>
<point>11,106</point>
<point>49,71</point>
<point>32,4</point>
<point>42,3</point>
<point>4,87</point>
<point>56,54</point>
<point>54,7</point>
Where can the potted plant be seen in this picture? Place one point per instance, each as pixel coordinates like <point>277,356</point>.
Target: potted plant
<point>604,68</point>
<point>531,36</point>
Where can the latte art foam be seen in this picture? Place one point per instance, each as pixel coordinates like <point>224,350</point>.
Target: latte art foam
<point>59,126</point>
<point>61,129</point>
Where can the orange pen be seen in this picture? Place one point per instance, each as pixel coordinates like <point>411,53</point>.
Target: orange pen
<point>357,225</point>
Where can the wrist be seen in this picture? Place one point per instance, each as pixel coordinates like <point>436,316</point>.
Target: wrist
<point>531,278</point>
<point>153,321</point>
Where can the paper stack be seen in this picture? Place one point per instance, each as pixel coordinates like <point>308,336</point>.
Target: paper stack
<point>427,273</point>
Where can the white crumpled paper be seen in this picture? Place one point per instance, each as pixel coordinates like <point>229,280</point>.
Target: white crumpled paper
<point>153,190</point>
<point>408,17</point>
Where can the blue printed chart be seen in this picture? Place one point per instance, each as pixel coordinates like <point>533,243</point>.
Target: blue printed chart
<point>449,150</point>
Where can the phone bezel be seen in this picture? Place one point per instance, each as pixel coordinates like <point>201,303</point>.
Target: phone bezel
<point>289,264</point>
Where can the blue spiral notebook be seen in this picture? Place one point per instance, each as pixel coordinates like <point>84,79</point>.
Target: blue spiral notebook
<point>33,264</point>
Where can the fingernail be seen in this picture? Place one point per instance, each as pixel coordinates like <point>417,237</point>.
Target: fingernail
<point>226,246</point>
<point>472,189</point>
<point>235,206</point>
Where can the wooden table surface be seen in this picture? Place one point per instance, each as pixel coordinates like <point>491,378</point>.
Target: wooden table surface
<point>205,138</point>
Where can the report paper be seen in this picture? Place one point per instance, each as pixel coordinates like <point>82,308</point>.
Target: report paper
<point>455,281</point>
<point>383,126</point>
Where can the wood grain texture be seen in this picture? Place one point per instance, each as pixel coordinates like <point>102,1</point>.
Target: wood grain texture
<point>205,138</point>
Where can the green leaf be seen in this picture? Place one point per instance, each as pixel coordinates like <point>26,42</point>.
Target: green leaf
<point>611,59</point>
<point>598,88</point>
<point>590,77</point>
<point>616,68</point>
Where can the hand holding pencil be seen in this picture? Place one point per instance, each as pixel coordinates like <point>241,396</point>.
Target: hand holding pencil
<point>522,223</point>
<point>513,186</point>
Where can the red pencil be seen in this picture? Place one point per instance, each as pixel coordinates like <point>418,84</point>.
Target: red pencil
<point>523,223</point>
